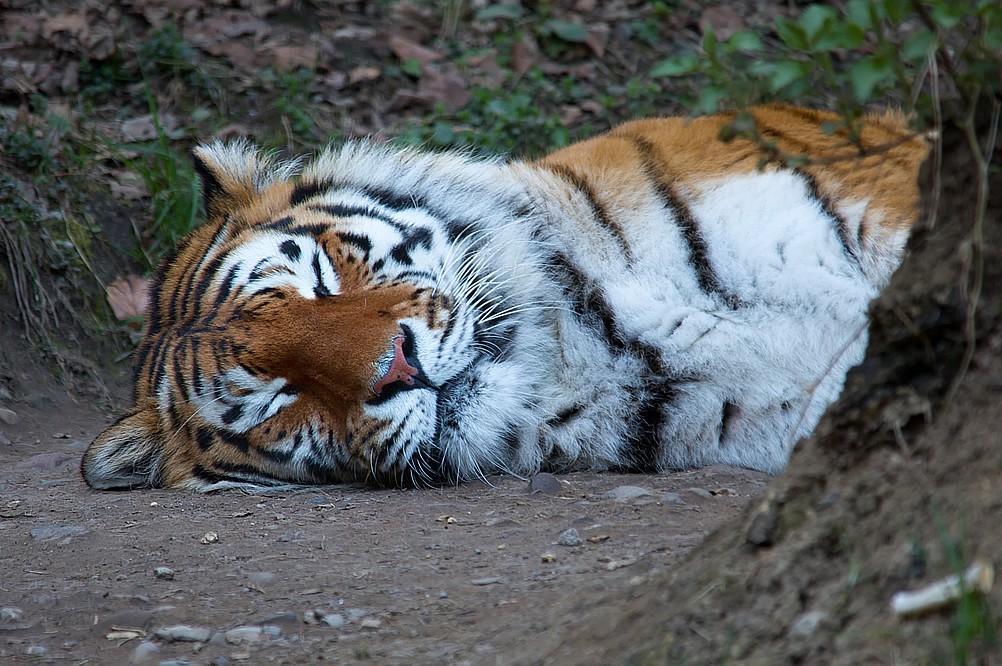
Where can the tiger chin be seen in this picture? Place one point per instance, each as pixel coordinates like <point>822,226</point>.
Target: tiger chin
<point>649,299</point>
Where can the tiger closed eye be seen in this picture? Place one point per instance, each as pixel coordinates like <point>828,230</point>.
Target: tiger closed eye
<point>646,300</point>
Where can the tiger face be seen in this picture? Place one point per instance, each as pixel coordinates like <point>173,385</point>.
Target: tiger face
<point>649,299</point>
<point>314,332</point>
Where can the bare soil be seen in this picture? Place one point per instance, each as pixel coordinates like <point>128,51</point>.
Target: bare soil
<point>898,488</point>
<point>456,575</point>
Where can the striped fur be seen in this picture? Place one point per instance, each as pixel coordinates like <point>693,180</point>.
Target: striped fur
<point>649,299</point>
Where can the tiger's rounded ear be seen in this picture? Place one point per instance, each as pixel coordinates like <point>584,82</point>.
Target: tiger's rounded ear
<point>234,174</point>
<point>126,455</point>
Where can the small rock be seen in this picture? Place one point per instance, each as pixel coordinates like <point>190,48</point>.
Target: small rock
<point>627,493</point>
<point>699,492</point>
<point>36,650</point>
<point>356,614</point>
<point>805,625</point>
<point>184,633</point>
<point>46,462</point>
<point>11,614</point>
<point>164,573</point>
<point>243,635</point>
<point>210,537</point>
<point>548,557</point>
<point>672,498</point>
<point>485,581</point>
<point>372,623</point>
<point>48,532</point>
<point>145,652</point>
<point>261,577</point>
<point>287,618</point>
<point>271,630</point>
<point>545,483</point>
<point>569,537</point>
<point>8,416</point>
<point>334,620</point>
<point>619,564</point>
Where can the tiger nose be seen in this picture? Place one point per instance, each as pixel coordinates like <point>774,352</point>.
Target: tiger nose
<point>400,367</point>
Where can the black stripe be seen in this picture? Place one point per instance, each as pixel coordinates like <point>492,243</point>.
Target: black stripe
<point>699,252</point>
<point>307,190</point>
<point>839,223</point>
<point>359,241</point>
<point>344,210</point>
<point>320,290</point>
<point>203,283</point>
<point>598,209</point>
<point>641,451</point>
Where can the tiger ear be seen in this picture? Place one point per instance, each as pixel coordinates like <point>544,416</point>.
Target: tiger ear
<point>234,174</point>
<point>126,455</point>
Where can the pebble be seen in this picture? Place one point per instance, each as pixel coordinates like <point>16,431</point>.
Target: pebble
<point>48,532</point>
<point>261,577</point>
<point>545,483</point>
<point>184,633</point>
<point>569,537</point>
<point>36,650</point>
<point>164,573</point>
<point>334,620</point>
<point>700,492</point>
<point>287,618</point>
<point>805,625</point>
<point>11,613</point>
<point>372,623</point>
<point>145,652</point>
<point>245,634</point>
<point>672,498</point>
<point>548,557</point>
<point>627,493</point>
<point>8,416</point>
<point>485,581</point>
<point>46,462</point>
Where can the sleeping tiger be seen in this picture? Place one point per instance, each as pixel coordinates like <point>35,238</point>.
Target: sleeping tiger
<point>650,299</point>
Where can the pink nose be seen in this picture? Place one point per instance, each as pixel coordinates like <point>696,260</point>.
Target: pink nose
<point>400,370</point>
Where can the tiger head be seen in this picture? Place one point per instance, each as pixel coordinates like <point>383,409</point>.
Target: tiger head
<point>331,325</point>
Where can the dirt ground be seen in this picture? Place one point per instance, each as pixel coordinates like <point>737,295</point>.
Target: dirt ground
<point>343,574</point>
<point>899,487</point>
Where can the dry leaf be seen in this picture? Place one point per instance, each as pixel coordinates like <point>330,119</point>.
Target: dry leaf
<point>142,128</point>
<point>443,85</point>
<point>597,38</point>
<point>524,54</point>
<point>406,49</point>
<point>291,58</point>
<point>363,73</point>
<point>129,297</point>
<point>723,19</point>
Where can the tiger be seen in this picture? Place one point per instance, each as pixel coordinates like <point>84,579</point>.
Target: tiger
<point>650,299</point>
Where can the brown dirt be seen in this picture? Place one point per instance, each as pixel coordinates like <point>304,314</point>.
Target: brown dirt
<point>457,575</point>
<point>800,572</point>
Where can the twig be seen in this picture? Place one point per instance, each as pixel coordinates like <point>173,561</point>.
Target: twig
<point>973,295</point>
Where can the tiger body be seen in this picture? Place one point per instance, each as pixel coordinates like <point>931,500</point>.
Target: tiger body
<point>649,299</point>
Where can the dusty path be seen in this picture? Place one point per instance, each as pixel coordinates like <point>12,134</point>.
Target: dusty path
<point>475,574</point>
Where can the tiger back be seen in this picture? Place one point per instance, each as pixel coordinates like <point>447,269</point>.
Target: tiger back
<point>650,299</point>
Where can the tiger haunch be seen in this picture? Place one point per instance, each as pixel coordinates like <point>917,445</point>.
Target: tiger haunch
<point>648,299</point>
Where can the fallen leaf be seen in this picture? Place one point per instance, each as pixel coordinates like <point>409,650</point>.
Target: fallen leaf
<point>363,73</point>
<point>724,20</point>
<point>598,38</point>
<point>443,85</point>
<point>291,58</point>
<point>129,297</point>
<point>405,49</point>
<point>143,128</point>
<point>524,54</point>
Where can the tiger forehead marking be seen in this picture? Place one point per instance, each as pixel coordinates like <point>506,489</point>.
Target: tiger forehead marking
<point>648,299</point>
